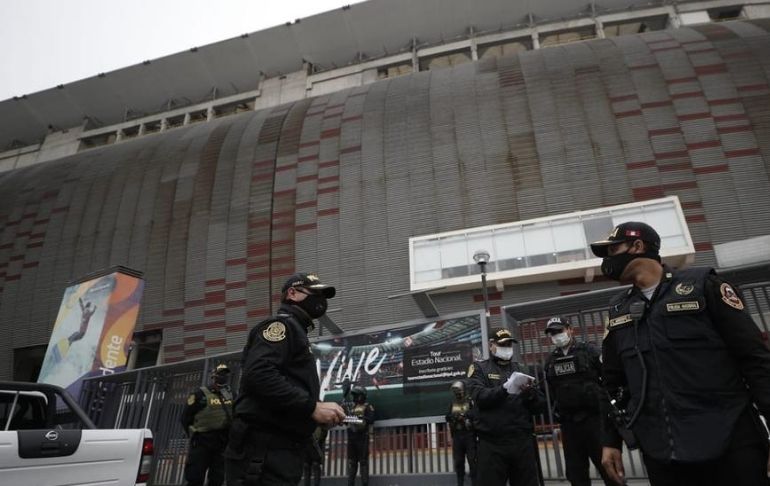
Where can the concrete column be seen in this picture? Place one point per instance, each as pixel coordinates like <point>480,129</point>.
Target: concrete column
<point>141,130</point>
<point>210,113</point>
<point>164,125</point>
<point>535,39</point>
<point>599,29</point>
<point>415,57</point>
<point>474,46</point>
<point>119,136</point>
<point>186,119</point>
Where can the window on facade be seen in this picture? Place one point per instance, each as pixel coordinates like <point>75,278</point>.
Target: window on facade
<point>97,140</point>
<point>445,60</point>
<point>550,39</point>
<point>27,362</point>
<point>725,13</point>
<point>635,26</point>
<point>542,246</point>
<point>145,349</point>
<point>394,70</point>
<point>503,49</point>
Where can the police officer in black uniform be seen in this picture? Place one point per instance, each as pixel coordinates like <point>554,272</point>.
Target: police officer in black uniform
<point>505,406</point>
<point>277,408</point>
<point>358,436</point>
<point>460,420</point>
<point>687,367</point>
<point>573,372</point>
<point>206,419</point>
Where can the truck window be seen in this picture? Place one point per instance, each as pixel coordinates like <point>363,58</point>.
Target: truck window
<point>23,411</point>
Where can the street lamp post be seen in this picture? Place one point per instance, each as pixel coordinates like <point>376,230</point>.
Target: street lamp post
<point>482,258</point>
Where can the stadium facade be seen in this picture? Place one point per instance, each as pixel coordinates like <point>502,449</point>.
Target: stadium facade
<point>381,156</point>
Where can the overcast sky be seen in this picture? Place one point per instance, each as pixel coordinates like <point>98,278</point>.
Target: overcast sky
<point>44,43</point>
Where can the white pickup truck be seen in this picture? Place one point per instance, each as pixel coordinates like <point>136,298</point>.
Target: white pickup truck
<point>47,440</point>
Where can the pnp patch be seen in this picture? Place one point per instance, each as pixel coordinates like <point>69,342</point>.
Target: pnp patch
<point>683,306</point>
<point>619,320</point>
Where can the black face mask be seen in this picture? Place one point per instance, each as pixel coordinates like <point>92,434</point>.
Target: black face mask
<point>613,266</point>
<point>315,305</point>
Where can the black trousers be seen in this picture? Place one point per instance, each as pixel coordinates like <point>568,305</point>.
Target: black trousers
<point>205,454</point>
<point>582,442</point>
<point>743,464</point>
<point>464,445</point>
<point>259,459</point>
<point>358,453</point>
<point>512,459</point>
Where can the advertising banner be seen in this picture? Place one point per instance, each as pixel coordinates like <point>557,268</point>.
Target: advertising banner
<point>407,369</point>
<point>93,330</point>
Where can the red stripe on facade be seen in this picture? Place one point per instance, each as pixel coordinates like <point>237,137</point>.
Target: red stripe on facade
<point>307,204</point>
<point>644,193</point>
<point>173,347</point>
<point>307,178</point>
<point>331,132</point>
<point>694,116</point>
<point>643,66</point>
<point>327,190</point>
<point>734,117</point>
<point>672,186</point>
<point>692,205</point>
<point>285,192</point>
<point>202,326</point>
<point>173,312</point>
<point>752,87</point>
<point>352,118</point>
<point>626,114</point>
<point>264,164</point>
<point>195,352</point>
<point>704,144</point>
<point>724,101</point>
<point>695,218</point>
<point>742,152</point>
<point>16,258</point>
<point>258,313</point>
<point>238,328</point>
<point>235,261</point>
<point>701,51</point>
<point>35,244</point>
<point>688,79</point>
<point>656,104</point>
<point>711,169</point>
<point>332,115</point>
<point>305,227</point>
<point>645,164</point>
<point>307,158</point>
<point>671,155</point>
<point>490,296</point>
<point>710,69</point>
<point>740,128</point>
<point>11,278</point>
<point>618,99</point>
<point>260,223</point>
<point>213,312</point>
<point>691,94</point>
<point>195,303</point>
<point>350,150</point>
<point>328,212</point>
<point>235,303</point>
<point>194,339</point>
<point>667,48</point>
<point>704,246</point>
<point>674,167</point>
<point>323,180</point>
<point>328,163</point>
<point>214,343</point>
<point>267,176</point>
<point>258,249</point>
<point>664,131</point>
<point>235,285</point>
<point>284,168</point>
<point>215,281</point>
<point>309,144</point>
<point>30,264</point>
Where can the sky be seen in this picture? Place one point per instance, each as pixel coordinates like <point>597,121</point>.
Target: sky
<point>44,43</point>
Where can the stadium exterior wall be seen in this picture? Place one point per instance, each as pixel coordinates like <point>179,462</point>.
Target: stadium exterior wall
<point>218,214</point>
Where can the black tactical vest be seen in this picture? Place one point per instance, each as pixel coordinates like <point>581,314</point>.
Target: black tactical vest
<point>695,392</point>
<point>573,381</point>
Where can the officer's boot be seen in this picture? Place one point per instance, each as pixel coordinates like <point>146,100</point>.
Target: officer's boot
<point>365,473</point>
<point>460,478</point>
<point>352,470</point>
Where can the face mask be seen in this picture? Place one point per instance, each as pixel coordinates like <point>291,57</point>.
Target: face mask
<point>560,340</point>
<point>221,380</point>
<point>613,266</point>
<point>504,353</point>
<point>314,305</point>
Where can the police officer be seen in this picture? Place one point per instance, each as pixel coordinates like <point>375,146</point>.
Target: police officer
<point>506,402</point>
<point>573,372</point>
<point>206,419</point>
<point>460,420</point>
<point>358,436</point>
<point>687,365</point>
<point>277,408</point>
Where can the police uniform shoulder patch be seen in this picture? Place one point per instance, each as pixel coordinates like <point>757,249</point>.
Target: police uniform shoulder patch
<point>730,296</point>
<point>684,288</point>
<point>191,399</point>
<point>471,370</point>
<point>275,332</point>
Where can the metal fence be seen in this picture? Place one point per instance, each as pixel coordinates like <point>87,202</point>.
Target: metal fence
<point>155,398</point>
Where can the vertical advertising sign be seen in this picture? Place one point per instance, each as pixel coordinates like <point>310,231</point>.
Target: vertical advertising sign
<point>407,369</point>
<point>93,330</point>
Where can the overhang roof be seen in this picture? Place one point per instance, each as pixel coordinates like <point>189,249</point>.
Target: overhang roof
<point>367,30</point>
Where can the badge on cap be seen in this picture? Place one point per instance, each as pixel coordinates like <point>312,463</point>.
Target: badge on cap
<point>471,369</point>
<point>730,297</point>
<point>275,332</point>
<point>191,399</point>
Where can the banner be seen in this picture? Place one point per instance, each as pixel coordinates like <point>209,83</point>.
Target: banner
<point>407,369</point>
<point>93,330</point>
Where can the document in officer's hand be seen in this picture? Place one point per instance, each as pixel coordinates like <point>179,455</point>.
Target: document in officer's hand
<point>516,382</point>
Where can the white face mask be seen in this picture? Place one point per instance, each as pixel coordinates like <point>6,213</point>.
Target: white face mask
<point>560,340</point>
<point>504,353</point>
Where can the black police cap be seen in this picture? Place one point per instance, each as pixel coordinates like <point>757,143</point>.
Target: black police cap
<point>309,281</point>
<point>628,231</point>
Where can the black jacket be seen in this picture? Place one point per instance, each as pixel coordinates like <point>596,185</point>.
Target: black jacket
<point>498,414</point>
<point>279,382</point>
<point>574,381</point>
<point>705,363</point>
